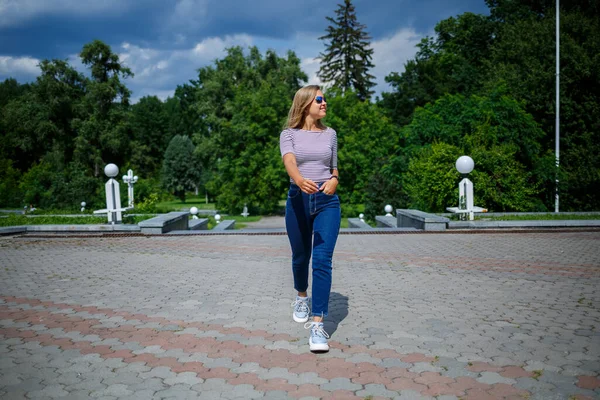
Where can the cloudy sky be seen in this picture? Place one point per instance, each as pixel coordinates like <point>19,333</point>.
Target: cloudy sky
<point>165,42</point>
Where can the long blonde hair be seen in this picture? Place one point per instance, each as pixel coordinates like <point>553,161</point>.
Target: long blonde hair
<point>302,101</point>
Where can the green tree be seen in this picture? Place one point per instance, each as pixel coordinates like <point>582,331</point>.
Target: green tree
<point>451,62</point>
<point>10,89</point>
<point>348,56</point>
<point>523,58</point>
<point>39,121</point>
<point>10,194</point>
<point>477,121</point>
<point>385,185</point>
<point>500,182</point>
<point>431,178</point>
<point>103,134</point>
<point>514,47</point>
<point>180,171</point>
<point>242,102</point>
<point>149,123</point>
<point>179,116</point>
<point>46,187</point>
<point>366,137</point>
<point>60,131</point>
<point>494,130</point>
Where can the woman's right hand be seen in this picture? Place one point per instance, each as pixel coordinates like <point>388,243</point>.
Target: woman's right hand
<point>308,186</point>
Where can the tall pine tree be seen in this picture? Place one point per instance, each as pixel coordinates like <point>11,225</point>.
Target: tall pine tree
<point>347,58</point>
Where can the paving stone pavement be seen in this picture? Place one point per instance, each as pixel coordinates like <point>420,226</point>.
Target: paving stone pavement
<point>412,316</point>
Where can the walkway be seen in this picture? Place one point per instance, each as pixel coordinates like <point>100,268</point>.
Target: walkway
<point>412,316</point>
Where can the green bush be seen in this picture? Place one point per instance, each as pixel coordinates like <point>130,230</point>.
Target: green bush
<point>143,189</point>
<point>148,205</point>
<point>352,210</point>
<point>501,183</point>
<point>431,180</point>
<point>385,186</point>
<point>10,195</point>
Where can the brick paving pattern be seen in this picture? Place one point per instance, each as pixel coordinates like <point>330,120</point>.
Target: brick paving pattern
<point>448,316</point>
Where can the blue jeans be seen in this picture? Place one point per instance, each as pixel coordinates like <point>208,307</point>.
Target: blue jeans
<point>306,215</point>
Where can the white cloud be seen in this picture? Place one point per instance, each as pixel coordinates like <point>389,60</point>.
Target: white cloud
<point>311,66</point>
<point>159,71</point>
<point>13,12</point>
<point>212,48</point>
<point>155,70</point>
<point>10,66</point>
<point>391,53</point>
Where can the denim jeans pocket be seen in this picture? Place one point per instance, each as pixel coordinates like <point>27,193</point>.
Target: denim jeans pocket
<point>293,192</point>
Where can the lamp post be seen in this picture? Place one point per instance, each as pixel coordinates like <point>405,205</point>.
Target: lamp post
<point>113,198</point>
<point>465,165</point>
<point>130,179</point>
<point>388,210</point>
<point>557,128</point>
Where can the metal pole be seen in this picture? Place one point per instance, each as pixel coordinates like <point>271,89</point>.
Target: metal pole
<point>557,100</point>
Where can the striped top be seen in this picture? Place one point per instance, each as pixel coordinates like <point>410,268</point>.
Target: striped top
<point>316,152</point>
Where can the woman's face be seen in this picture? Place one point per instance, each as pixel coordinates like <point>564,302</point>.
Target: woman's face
<point>318,107</point>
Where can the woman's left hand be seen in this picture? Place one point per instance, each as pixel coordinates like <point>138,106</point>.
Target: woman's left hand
<point>329,187</point>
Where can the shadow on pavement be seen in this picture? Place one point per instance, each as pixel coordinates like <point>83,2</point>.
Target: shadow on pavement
<point>338,310</point>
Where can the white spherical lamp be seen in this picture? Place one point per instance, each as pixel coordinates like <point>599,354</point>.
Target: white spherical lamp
<point>217,218</point>
<point>194,210</point>
<point>388,208</point>
<point>111,170</point>
<point>465,164</point>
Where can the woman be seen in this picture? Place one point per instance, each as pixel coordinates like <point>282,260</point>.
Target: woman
<point>312,212</point>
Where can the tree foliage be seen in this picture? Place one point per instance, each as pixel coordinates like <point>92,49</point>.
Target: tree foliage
<point>243,102</point>
<point>348,56</point>
<point>366,138</point>
<point>149,124</point>
<point>494,130</point>
<point>102,130</point>
<point>180,170</point>
<point>482,85</point>
<point>450,62</point>
<point>60,131</point>
<point>514,48</point>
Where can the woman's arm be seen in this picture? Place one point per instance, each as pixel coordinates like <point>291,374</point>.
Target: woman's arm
<point>331,185</point>
<point>306,185</point>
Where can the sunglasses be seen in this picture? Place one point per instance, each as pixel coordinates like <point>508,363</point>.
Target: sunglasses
<point>320,99</point>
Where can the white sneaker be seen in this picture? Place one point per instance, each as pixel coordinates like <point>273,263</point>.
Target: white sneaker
<point>301,309</point>
<point>317,340</point>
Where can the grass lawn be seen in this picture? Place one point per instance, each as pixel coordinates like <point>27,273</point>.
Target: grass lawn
<point>18,220</point>
<point>190,201</point>
<point>239,220</point>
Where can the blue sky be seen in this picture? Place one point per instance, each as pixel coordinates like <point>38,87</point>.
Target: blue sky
<point>165,42</point>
